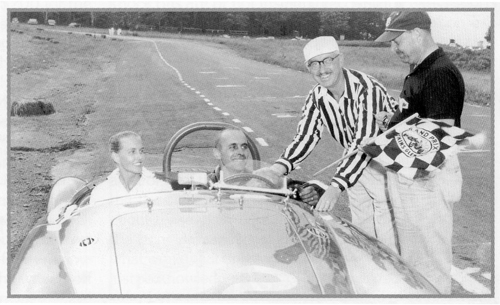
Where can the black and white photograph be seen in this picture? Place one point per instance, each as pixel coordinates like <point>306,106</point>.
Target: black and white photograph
<point>311,152</point>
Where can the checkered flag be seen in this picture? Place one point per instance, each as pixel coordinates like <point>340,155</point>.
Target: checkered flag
<point>416,146</point>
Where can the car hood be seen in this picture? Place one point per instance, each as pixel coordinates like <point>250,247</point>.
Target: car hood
<point>214,250</point>
<point>209,243</point>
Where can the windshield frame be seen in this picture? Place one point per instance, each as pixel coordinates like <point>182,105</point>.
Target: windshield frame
<point>220,185</point>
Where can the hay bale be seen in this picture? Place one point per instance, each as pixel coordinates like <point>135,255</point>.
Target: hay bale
<point>31,108</point>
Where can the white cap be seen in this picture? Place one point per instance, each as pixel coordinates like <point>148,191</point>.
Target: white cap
<point>320,45</point>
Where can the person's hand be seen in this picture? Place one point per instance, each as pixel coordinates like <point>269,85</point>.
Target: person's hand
<point>329,199</point>
<point>383,118</point>
<point>272,173</point>
<point>309,195</point>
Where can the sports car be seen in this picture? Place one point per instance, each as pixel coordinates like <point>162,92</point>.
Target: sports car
<point>242,235</point>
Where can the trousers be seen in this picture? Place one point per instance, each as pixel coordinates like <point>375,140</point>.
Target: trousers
<point>371,209</point>
<point>423,210</point>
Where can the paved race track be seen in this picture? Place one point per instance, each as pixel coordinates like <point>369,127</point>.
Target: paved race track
<point>162,85</point>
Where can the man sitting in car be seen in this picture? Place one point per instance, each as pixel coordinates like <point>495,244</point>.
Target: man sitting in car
<point>232,152</point>
<point>130,176</point>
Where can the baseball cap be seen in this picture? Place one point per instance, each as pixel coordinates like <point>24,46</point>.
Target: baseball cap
<point>320,45</point>
<point>400,22</point>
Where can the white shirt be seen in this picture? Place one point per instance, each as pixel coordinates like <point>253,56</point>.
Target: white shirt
<point>113,187</point>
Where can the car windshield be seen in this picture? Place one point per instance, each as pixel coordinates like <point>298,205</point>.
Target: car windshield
<point>248,177</point>
<point>244,180</point>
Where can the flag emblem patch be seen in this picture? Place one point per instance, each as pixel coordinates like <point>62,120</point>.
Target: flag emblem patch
<point>415,142</point>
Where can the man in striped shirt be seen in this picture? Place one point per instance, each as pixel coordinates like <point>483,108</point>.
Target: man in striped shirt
<point>345,102</point>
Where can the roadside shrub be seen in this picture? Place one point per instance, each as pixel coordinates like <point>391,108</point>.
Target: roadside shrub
<point>363,43</point>
<point>472,60</point>
<point>477,97</point>
<point>31,108</point>
<point>73,144</point>
<point>88,109</point>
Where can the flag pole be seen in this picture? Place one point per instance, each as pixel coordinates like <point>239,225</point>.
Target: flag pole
<point>357,149</point>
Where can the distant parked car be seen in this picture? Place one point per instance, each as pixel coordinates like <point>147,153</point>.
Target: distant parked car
<point>32,21</point>
<point>52,22</point>
<point>74,25</point>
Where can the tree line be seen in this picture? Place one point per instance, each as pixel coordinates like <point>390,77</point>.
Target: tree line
<point>351,25</point>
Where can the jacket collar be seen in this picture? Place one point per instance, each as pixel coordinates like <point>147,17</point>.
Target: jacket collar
<point>429,60</point>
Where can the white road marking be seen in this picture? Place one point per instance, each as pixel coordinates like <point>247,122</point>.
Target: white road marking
<point>217,108</point>
<point>480,115</point>
<point>159,53</point>
<point>197,92</point>
<point>467,282</point>
<point>230,86</point>
<point>284,115</point>
<point>208,72</point>
<point>202,95</point>
<point>192,89</point>
<point>486,275</point>
<point>222,78</point>
<point>248,129</point>
<point>261,141</point>
<point>206,100</point>
<point>265,77</point>
<point>210,104</point>
<point>225,113</point>
<point>236,121</point>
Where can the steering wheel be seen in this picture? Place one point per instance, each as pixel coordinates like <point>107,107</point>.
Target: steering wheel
<point>248,177</point>
<point>183,132</point>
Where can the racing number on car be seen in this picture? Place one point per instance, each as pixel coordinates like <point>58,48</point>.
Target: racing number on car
<point>286,281</point>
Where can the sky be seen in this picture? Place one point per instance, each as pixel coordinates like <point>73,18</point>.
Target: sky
<point>466,27</point>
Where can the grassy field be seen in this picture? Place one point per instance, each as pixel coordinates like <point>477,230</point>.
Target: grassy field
<point>376,61</point>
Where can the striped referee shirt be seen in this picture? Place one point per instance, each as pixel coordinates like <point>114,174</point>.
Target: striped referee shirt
<point>349,120</point>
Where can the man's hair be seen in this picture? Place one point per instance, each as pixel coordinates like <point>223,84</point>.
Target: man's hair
<point>114,141</point>
<point>219,135</point>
